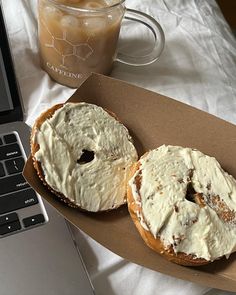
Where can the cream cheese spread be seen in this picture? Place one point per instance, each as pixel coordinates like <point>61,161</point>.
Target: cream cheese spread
<point>170,175</point>
<point>85,155</point>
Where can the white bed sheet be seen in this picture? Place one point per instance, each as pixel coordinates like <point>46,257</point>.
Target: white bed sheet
<point>198,67</point>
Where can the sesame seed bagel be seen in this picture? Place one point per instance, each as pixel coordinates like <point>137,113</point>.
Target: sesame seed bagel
<point>183,205</point>
<point>83,153</point>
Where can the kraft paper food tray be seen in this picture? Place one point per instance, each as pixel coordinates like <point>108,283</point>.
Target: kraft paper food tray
<point>152,120</point>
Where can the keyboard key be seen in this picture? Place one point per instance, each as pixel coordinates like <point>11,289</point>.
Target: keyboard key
<point>10,138</point>
<point>10,227</point>
<point>32,220</point>
<point>12,183</point>
<point>17,200</point>
<point>15,165</point>
<point>2,171</point>
<point>9,151</point>
<point>8,218</point>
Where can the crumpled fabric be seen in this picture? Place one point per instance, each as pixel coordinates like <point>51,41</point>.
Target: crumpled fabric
<point>197,67</point>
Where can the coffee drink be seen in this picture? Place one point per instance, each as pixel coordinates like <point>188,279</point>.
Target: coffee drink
<point>77,37</point>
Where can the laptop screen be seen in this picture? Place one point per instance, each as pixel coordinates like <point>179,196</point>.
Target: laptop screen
<point>6,103</point>
<point>10,105</point>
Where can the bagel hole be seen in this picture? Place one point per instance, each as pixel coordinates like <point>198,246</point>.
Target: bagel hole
<point>86,157</point>
<point>190,194</point>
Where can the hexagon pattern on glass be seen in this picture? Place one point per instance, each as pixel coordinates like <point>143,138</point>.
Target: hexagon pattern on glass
<point>81,51</point>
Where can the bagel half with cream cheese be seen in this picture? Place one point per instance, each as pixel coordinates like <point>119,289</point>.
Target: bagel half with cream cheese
<point>183,205</point>
<point>82,153</point>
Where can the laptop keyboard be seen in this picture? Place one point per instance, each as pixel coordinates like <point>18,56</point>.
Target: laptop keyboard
<point>20,207</point>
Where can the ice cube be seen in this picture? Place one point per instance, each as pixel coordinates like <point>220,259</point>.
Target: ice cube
<point>111,2</point>
<point>69,21</point>
<point>94,23</point>
<point>93,5</point>
<point>51,12</point>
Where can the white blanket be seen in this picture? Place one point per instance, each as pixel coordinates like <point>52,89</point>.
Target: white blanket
<point>198,67</point>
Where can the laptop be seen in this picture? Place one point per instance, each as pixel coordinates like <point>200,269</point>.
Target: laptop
<point>38,253</point>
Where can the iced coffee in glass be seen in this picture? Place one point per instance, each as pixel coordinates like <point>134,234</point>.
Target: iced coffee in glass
<point>74,41</point>
<point>77,37</point>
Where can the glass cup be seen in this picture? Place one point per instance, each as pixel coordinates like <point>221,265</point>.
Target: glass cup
<point>77,37</point>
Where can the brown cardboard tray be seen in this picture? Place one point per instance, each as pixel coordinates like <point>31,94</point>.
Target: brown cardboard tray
<point>152,120</point>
